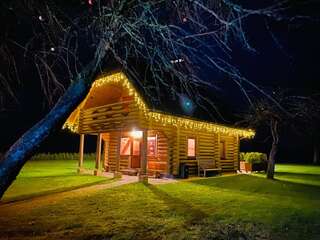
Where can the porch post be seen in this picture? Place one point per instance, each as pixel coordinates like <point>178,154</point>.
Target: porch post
<point>97,169</point>
<point>143,177</point>
<point>117,173</point>
<point>219,157</point>
<point>81,147</point>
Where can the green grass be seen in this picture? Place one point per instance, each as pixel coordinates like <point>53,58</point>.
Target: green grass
<point>227,207</point>
<point>40,177</point>
<point>305,174</point>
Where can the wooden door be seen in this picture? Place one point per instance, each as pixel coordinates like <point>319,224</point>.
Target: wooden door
<point>136,156</point>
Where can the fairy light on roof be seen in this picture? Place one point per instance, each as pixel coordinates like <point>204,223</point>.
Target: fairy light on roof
<point>162,118</point>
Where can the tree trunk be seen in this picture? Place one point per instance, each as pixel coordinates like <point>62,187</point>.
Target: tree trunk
<point>271,161</point>
<point>25,146</point>
<point>316,153</point>
<point>274,148</point>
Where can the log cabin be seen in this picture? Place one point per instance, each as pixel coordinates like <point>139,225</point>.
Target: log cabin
<point>134,138</point>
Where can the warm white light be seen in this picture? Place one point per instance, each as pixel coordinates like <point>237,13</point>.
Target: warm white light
<point>136,134</point>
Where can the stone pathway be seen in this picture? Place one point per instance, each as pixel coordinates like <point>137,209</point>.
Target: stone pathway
<point>26,205</point>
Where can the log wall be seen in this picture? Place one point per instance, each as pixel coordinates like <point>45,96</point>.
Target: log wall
<point>116,118</point>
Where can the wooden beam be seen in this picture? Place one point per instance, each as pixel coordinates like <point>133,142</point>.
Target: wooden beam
<point>218,164</point>
<point>97,170</point>
<point>81,148</point>
<point>143,177</point>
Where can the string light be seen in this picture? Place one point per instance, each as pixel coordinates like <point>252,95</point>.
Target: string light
<point>159,117</point>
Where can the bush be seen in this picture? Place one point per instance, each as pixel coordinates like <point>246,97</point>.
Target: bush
<point>253,157</point>
<point>241,156</point>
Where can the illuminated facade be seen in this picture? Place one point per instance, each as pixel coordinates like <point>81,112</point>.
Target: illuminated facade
<point>134,137</point>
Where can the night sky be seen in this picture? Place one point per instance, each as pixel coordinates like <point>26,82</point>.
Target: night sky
<point>287,56</point>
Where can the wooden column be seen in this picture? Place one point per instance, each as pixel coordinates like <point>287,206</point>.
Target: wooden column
<point>106,156</point>
<point>143,176</point>
<point>178,151</point>
<point>237,152</point>
<point>117,172</point>
<point>81,148</point>
<point>97,170</point>
<point>219,150</point>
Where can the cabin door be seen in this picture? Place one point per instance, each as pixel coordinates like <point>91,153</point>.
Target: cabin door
<point>136,156</point>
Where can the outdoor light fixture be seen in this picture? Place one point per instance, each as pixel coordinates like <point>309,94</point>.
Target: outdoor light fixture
<point>136,134</point>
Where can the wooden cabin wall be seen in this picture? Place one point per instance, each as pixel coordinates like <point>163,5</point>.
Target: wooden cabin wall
<point>172,141</point>
<point>110,117</point>
<point>159,162</point>
<point>113,150</point>
<point>106,140</point>
<point>184,134</point>
<point>207,148</point>
<point>230,163</point>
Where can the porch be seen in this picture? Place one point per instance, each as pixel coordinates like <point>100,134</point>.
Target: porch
<point>137,152</point>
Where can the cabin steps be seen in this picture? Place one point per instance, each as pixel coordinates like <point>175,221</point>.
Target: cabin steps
<point>130,171</point>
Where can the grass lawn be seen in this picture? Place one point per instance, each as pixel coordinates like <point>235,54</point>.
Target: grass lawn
<point>227,207</point>
<point>39,177</point>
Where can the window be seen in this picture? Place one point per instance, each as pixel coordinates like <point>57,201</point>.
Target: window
<point>125,146</point>
<point>152,146</point>
<point>191,147</point>
<point>222,149</point>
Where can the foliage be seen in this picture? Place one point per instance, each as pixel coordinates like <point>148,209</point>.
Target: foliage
<point>175,40</point>
<point>227,207</point>
<point>253,157</point>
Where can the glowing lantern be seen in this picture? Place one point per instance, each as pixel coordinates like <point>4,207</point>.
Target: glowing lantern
<point>136,134</point>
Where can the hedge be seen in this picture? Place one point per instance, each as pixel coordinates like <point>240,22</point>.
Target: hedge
<point>253,157</point>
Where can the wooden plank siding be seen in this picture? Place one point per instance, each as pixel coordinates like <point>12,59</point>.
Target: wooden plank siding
<point>172,141</point>
<point>117,118</point>
<point>110,117</point>
<point>230,163</point>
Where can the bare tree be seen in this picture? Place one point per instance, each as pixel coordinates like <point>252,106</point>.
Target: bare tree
<point>286,112</point>
<point>70,42</point>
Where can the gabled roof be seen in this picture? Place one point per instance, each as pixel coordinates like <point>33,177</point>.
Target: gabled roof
<point>150,111</point>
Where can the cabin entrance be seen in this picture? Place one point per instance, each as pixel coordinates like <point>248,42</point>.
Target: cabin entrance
<point>136,153</point>
<point>130,151</point>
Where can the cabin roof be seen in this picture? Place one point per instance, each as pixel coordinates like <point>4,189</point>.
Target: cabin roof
<point>169,113</point>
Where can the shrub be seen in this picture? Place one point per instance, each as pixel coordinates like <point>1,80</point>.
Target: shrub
<point>253,157</point>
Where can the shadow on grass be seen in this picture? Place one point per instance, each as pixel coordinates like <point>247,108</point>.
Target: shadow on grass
<point>306,176</point>
<point>29,196</point>
<point>260,185</point>
<point>52,176</point>
<point>193,215</point>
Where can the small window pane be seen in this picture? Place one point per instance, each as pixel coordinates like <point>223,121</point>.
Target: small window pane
<point>191,147</point>
<point>223,150</point>
<point>125,146</point>
<point>152,146</point>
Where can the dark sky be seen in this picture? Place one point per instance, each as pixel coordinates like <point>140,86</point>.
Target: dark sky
<point>286,55</point>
